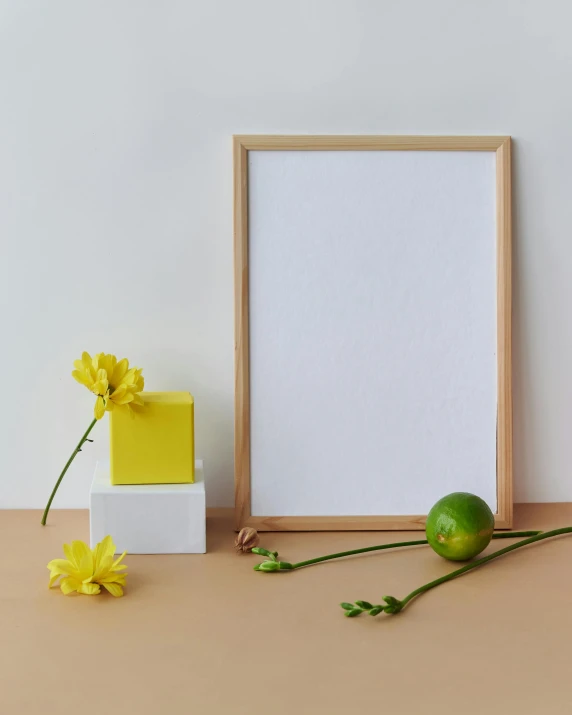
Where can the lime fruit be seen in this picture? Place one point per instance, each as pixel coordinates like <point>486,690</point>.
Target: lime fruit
<point>459,526</point>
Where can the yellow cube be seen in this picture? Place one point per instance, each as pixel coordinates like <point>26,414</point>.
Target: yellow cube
<point>157,445</point>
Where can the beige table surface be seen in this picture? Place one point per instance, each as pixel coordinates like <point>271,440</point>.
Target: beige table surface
<point>202,634</point>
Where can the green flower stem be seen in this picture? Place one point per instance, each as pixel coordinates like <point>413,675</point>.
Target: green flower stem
<point>398,544</point>
<point>275,565</point>
<point>475,564</point>
<point>80,444</point>
<point>341,554</point>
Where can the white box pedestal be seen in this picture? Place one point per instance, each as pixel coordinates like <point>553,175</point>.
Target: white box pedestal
<point>149,518</point>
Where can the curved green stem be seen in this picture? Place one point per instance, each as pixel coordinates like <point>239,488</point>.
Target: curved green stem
<point>484,560</point>
<point>398,544</point>
<point>65,469</point>
<point>393,605</point>
<point>380,547</point>
<point>341,554</point>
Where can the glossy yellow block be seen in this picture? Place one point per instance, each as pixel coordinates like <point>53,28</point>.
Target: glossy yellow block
<point>157,445</point>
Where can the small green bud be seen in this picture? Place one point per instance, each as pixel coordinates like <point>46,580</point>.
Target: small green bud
<point>391,601</point>
<point>284,566</point>
<point>347,606</point>
<point>376,610</point>
<point>354,612</point>
<point>392,609</point>
<point>264,552</point>
<point>268,566</point>
<point>364,604</point>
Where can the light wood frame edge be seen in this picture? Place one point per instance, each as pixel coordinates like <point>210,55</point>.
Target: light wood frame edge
<point>501,145</point>
<point>368,143</point>
<point>241,339</point>
<point>504,516</point>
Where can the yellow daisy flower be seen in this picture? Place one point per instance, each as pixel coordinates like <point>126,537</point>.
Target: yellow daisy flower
<point>85,570</point>
<point>115,384</point>
<point>112,380</point>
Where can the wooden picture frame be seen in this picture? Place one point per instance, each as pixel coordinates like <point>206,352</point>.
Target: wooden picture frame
<point>501,146</point>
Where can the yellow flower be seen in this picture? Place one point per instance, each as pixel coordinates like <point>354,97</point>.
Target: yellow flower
<point>112,380</point>
<point>85,570</point>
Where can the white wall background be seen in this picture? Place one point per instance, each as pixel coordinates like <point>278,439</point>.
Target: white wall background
<point>116,193</point>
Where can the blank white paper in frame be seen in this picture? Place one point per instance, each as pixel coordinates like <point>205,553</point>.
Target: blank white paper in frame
<point>372,330</point>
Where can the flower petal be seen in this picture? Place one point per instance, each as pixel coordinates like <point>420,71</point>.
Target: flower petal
<point>101,385</point>
<point>103,558</point>
<point>117,561</point>
<point>68,551</point>
<point>119,372</point>
<point>123,399</point>
<point>107,547</point>
<point>103,568</point>
<point>99,409</point>
<point>79,549</point>
<point>86,567</point>
<point>118,393</point>
<point>114,589</point>
<point>53,578</point>
<point>61,565</point>
<point>82,378</point>
<point>69,584</point>
<point>139,380</point>
<point>119,578</point>
<point>110,363</point>
<point>89,589</point>
<point>129,377</point>
<point>111,548</point>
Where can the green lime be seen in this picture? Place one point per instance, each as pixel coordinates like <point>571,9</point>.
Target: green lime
<point>459,526</point>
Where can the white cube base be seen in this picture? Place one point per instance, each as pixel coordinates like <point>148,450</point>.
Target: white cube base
<point>149,518</point>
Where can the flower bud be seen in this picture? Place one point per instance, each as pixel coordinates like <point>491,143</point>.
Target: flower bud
<point>246,539</point>
<point>264,552</point>
<point>269,566</point>
<point>392,609</point>
<point>391,601</point>
<point>376,610</point>
<point>354,612</point>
